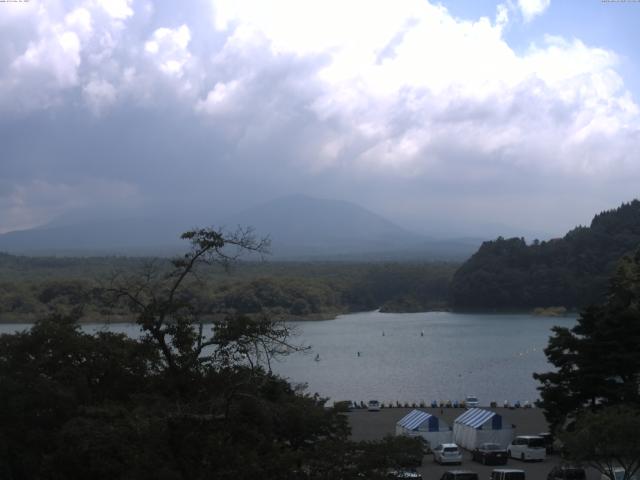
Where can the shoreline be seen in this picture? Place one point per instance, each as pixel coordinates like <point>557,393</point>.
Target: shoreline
<point>30,319</point>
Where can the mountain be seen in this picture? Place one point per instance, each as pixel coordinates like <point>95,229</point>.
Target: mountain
<point>301,224</point>
<point>573,271</point>
<point>131,236</point>
<point>300,227</point>
<point>304,227</point>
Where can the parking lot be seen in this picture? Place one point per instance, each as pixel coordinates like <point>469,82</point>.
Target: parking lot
<point>375,425</point>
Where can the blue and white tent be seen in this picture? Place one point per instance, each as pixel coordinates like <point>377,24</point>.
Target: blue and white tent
<point>422,424</point>
<point>476,426</point>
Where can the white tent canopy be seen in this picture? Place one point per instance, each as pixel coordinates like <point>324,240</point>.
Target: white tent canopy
<point>422,424</point>
<point>477,426</point>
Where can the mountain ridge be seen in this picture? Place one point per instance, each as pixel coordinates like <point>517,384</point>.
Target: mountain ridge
<point>300,227</point>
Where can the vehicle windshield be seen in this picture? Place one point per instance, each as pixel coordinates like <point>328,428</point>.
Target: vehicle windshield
<point>515,476</point>
<point>472,399</point>
<point>536,442</point>
<point>491,446</point>
<point>373,402</point>
<point>574,474</point>
<point>620,475</point>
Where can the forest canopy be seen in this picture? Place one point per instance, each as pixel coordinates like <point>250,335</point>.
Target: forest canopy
<point>572,271</point>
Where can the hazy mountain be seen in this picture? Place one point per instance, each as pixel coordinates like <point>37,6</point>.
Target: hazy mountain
<point>304,227</point>
<point>299,226</point>
<point>124,236</point>
<point>300,222</point>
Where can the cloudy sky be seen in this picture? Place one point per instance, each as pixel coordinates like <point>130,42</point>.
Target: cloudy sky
<point>435,114</point>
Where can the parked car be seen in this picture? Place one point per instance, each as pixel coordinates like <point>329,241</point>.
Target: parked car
<point>527,447</point>
<point>490,454</point>
<point>618,472</point>
<point>373,406</point>
<point>548,441</point>
<point>447,453</point>
<point>459,475</point>
<point>567,472</point>
<point>471,401</point>
<point>404,474</point>
<point>507,474</point>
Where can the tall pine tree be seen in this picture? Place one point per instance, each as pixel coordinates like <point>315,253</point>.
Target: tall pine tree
<point>597,361</point>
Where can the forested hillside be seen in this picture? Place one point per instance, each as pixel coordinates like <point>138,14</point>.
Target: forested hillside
<point>571,271</point>
<point>31,287</point>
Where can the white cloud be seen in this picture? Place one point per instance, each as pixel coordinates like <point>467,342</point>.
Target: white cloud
<point>80,21</point>
<point>169,49</point>
<point>221,99</point>
<point>532,8</point>
<point>56,52</point>
<point>99,94</point>
<point>117,9</point>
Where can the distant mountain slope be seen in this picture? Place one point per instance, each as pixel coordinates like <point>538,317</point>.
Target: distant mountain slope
<point>130,236</point>
<point>306,228</point>
<point>300,227</point>
<point>302,223</point>
<point>572,271</point>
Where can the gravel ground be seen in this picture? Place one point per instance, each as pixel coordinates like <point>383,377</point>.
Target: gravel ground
<point>375,425</point>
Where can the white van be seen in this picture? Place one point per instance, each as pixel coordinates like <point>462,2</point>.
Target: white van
<point>618,473</point>
<point>471,401</point>
<point>527,447</point>
<point>373,406</point>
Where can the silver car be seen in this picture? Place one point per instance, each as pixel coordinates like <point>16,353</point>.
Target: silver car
<point>447,453</point>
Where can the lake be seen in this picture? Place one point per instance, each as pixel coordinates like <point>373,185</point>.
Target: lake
<point>414,357</point>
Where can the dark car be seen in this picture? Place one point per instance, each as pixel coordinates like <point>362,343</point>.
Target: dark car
<point>490,454</point>
<point>567,472</point>
<point>459,475</point>
<point>548,441</point>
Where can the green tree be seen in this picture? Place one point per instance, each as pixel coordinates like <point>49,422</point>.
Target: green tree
<point>606,440</point>
<point>597,361</point>
<point>185,401</point>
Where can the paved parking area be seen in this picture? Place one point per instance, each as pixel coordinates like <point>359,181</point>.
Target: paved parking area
<point>375,425</point>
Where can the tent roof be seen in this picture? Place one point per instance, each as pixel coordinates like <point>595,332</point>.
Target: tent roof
<point>414,419</point>
<point>475,417</point>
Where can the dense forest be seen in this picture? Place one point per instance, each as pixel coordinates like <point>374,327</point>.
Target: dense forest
<point>571,271</point>
<point>31,287</point>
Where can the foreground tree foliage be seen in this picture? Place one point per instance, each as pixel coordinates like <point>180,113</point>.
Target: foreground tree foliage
<point>607,440</point>
<point>181,402</point>
<point>597,361</point>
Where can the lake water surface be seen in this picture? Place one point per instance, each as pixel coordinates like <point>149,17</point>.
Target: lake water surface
<point>414,357</point>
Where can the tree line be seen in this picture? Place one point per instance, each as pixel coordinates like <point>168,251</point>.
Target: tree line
<point>573,271</point>
<point>288,290</point>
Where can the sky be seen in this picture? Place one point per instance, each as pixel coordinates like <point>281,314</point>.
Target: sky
<point>450,118</point>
